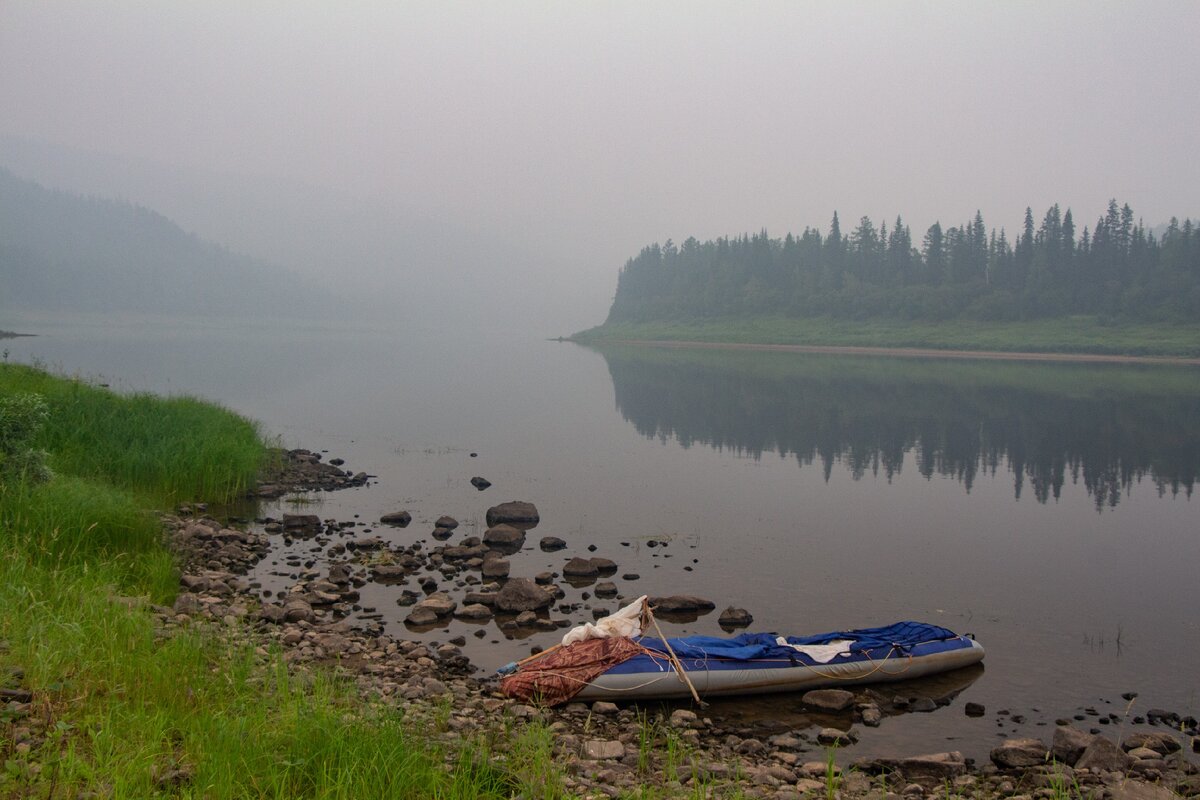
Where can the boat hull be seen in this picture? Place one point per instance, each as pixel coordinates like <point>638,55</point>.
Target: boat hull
<point>659,680</point>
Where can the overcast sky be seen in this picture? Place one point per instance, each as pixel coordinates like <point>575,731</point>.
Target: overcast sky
<point>583,131</point>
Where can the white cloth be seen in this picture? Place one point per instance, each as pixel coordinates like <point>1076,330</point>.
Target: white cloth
<point>624,622</point>
<point>821,653</point>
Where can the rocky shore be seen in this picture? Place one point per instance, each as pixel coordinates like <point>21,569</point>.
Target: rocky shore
<point>599,749</point>
<point>604,750</point>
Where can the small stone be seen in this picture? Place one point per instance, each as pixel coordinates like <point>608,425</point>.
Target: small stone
<point>975,709</point>
<point>604,708</point>
<point>683,718</point>
<point>599,749</point>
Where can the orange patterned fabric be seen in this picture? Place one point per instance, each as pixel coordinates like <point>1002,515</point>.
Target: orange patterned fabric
<point>561,675</point>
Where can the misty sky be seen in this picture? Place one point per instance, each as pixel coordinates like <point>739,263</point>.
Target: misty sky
<point>579,132</point>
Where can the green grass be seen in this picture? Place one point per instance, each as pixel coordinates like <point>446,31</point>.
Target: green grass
<point>121,710</point>
<point>1063,335</point>
<point>166,450</point>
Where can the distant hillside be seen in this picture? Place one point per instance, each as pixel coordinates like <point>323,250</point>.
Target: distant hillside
<point>64,252</point>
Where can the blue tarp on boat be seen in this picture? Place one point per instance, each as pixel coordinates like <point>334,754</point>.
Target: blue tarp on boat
<point>895,639</point>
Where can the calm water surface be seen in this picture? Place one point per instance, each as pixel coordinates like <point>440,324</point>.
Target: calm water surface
<point>1046,508</point>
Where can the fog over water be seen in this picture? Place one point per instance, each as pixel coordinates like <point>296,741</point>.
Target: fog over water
<point>488,165</point>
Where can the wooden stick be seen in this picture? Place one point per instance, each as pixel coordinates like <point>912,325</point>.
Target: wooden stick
<point>675,660</point>
<point>545,652</point>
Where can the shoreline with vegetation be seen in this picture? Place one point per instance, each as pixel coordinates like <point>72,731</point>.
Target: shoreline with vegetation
<point>1069,339</point>
<point>137,659</point>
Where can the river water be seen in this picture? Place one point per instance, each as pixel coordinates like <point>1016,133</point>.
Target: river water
<point>1045,508</point>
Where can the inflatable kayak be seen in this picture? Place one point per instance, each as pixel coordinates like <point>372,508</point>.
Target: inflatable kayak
<point>618,663</point>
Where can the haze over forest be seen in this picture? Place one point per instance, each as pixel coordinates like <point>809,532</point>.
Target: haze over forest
<point>476,164</point>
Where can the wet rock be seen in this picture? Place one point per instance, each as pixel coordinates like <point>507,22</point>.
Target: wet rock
<point>474,611</point>
<point>294,522</point>
<point>1068,744</point>
<point>397,518</point>
<point>442,534</point>
<point>830,700</point>
<point>580,568</point>
<point>975,709</point>
<point>835,737</point>
<point>518,513</point>
<point>733,618</point>
<point>421,616</point>
<point>550,544</point>
<point>504,535</point>
<point>480,483</point>
<point>1018,753</point>
<point>681,603</point>
<point>388,573</point>
<point>449,523</point>
<point>464,552</point>
<point>522,594</point>
<point>481,598</point>
<point>1103,755</point>
<point>604,566</point>
<point>606,589</point>
<point>367,543</point>
<point>604,708</point>
<point>544,578</point>
<point>872,716</point>
<point>526,619</point>
<point>495,566</point>
<point>439,603</point>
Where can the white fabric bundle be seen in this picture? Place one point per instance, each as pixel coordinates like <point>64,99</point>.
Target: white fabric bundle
<point>624,622</point>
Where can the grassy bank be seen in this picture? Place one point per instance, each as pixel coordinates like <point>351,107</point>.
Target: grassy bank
<point>1065,335</point>
<point>118,709</point>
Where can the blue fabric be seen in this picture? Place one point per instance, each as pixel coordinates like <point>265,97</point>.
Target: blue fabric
<point>751,646</point>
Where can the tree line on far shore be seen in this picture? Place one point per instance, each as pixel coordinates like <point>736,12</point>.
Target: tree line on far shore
<point>1116,270</point>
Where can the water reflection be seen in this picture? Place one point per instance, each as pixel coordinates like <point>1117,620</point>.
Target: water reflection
<point>1105,426</point>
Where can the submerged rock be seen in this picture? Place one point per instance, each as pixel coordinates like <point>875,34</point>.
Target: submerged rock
<point>480,483</point>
